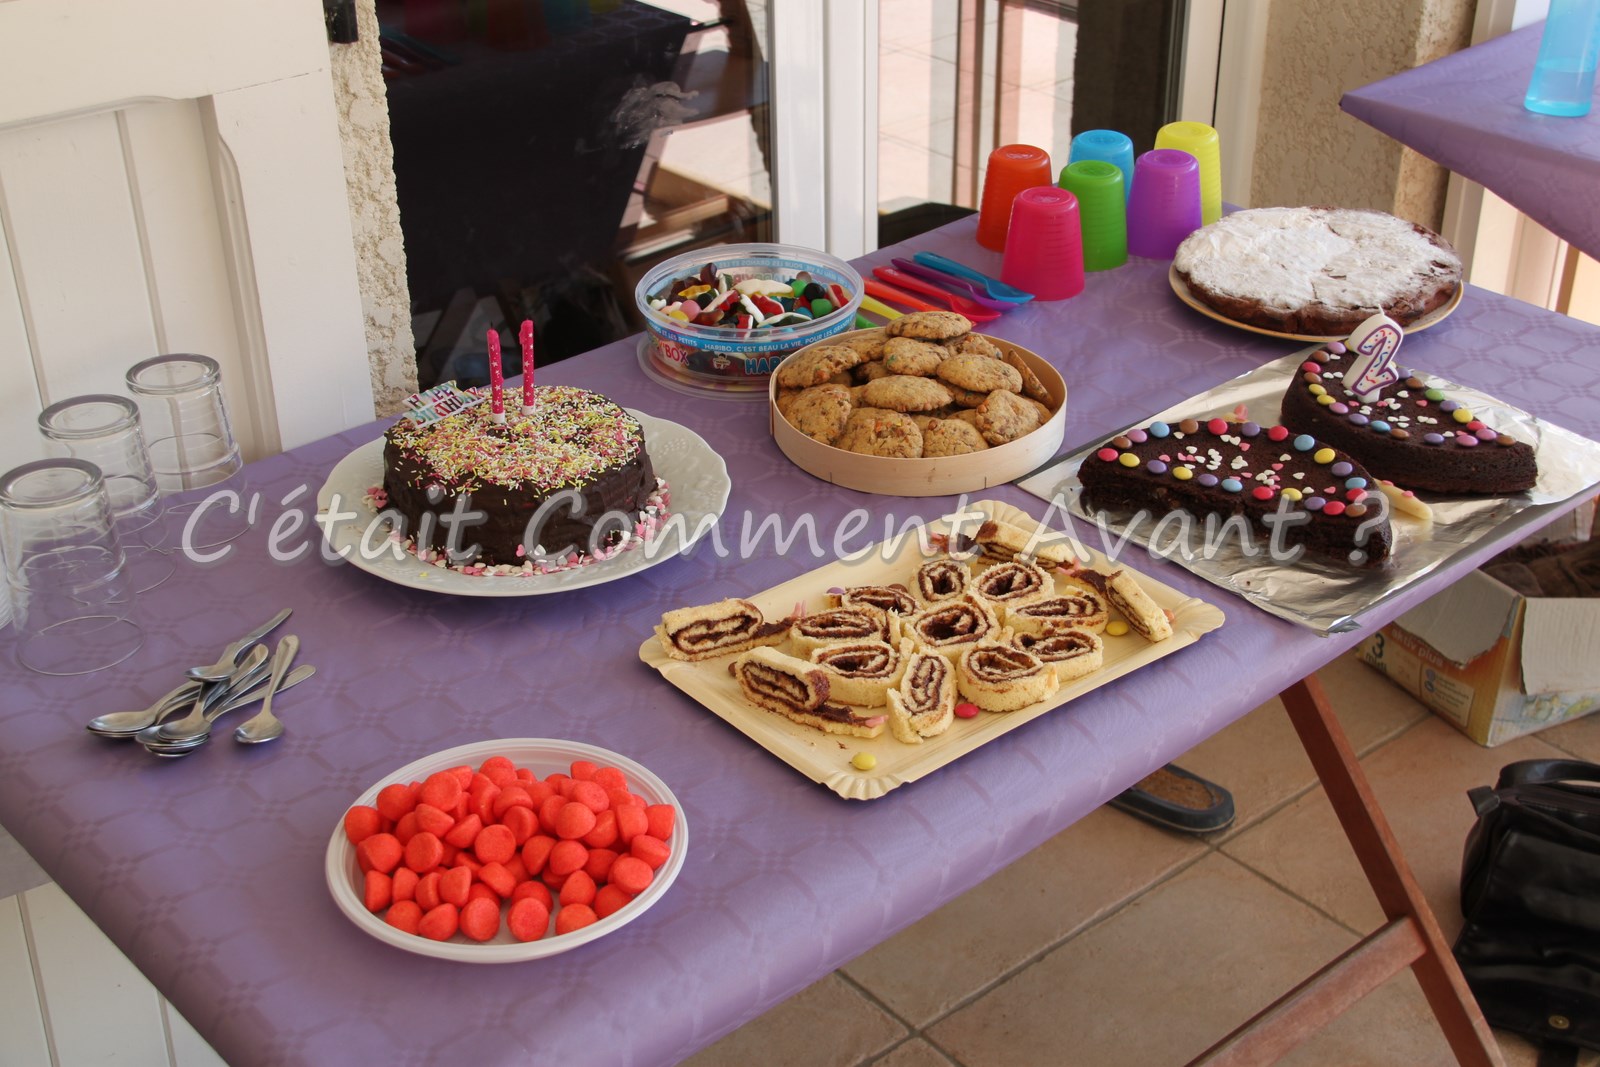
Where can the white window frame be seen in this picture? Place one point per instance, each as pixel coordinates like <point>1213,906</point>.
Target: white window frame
<point>825,124</point>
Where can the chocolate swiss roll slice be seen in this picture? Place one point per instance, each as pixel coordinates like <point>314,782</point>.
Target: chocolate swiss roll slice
<point>924,703</point>
<point>858,623</point>
<point>1000,677</point>
<point>1074,653</point>
<point>1013,583</point>
<point>1080,609</point>
<point>1145,617</point>
<point>894,599</point>
<point>799,691</point>
<point>862,672</point>
<point>1001,541</point>
<point>953,626</point>
<point>939,580</point>
<point>717,629</point>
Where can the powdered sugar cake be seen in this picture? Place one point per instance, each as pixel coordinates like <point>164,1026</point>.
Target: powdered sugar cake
<point>1317,271</point>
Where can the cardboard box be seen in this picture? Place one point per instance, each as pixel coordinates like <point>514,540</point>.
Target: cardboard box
<point>1494,663</point>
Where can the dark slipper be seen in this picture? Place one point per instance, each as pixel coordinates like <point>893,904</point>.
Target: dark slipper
<point>1178,800</point>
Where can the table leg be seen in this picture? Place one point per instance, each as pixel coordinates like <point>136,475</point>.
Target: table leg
<point>1411,937</point>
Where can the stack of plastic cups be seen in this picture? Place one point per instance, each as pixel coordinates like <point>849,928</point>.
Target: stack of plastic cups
<point>1165,205</point>
<point>1012,168</point>
<point>1044,245</point>
<point>1200,141</point>
<point>1108,146</point>
<point>1102,210</point>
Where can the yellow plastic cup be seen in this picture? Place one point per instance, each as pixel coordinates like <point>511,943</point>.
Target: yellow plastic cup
<point>1200,141</point>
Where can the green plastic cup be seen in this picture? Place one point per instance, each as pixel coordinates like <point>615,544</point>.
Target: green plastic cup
<point>1102,209</point>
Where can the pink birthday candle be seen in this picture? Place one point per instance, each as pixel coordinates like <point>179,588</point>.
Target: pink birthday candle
<point>497,379</point>
<point>525,337</point>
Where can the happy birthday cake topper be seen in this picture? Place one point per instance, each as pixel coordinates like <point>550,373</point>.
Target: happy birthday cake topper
<point>440,402</point>
<point>1375,343</point>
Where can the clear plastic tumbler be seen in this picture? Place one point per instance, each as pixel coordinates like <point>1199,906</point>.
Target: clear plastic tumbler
<point>191,442</point>
<point>190,439</point>
<point>105,430</point>
<point>67,576</point>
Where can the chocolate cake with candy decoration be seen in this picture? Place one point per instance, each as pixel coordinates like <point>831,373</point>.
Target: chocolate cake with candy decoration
<point>1405,429</point>
<point>515,472</point>
<point>1218,467</point>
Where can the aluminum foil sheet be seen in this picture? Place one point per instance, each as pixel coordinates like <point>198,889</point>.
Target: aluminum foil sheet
<point>1320,594</point>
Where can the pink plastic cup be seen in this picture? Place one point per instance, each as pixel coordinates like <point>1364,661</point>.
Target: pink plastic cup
<point>1044,244</point>
<point>1164,207</point>
<point>1012,168</point>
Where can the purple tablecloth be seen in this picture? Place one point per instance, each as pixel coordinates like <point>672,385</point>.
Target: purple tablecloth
<point>1465,113</point>
<point>207,871</point>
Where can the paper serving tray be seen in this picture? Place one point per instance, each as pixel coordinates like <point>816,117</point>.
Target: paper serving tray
<point>826,758</point>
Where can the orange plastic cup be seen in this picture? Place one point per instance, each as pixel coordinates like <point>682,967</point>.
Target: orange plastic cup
<point>1012,168</point>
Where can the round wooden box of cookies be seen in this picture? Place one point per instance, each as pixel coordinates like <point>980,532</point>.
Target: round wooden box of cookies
<point>920,407</point>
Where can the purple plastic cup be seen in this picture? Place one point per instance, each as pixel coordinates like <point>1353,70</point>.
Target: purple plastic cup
<point>1044,244</point>
<point>1164,206</point>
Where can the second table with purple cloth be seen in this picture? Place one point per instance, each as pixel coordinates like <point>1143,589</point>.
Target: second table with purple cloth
<point>1465,113</point>
<point>208,871</point>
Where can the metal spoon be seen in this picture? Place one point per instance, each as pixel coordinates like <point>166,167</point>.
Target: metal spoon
<point>266,726</point>
<point>128,723</point>
<point>229,660</point>
<point>245,675</point>
<point>186,745</point>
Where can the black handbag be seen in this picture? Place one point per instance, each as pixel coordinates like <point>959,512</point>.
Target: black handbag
<point>1530,892</point>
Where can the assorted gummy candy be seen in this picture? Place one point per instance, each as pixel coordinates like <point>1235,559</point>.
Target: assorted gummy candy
<point>713,298</point>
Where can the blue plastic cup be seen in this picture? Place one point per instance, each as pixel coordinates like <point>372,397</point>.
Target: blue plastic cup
<point>1107,145</point>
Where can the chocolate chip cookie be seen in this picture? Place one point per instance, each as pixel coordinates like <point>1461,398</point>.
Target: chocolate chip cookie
<point>902,392</point>
<point>979,374</point>
<point>868,342</point>
<point>930,325</point>
<point>951,437</point>
<point>813,366</point>
<point>1032,387</point>
<point>876,432</point>
<point>820,412</point>
<point>904,355</point>
<point>1005,416</point>
<point>975,344</point>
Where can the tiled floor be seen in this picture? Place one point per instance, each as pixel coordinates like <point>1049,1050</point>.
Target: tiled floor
<point>1120,944</point>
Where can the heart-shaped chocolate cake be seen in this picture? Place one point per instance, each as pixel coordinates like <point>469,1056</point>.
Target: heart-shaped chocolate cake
<point>1331,505</point>
<point>1410,433</point>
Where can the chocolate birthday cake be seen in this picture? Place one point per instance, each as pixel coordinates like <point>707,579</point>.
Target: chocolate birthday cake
<point>1412,433</point>
<point>1318,271</point>
<point>574,440</point>
<point>1217,467</point>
